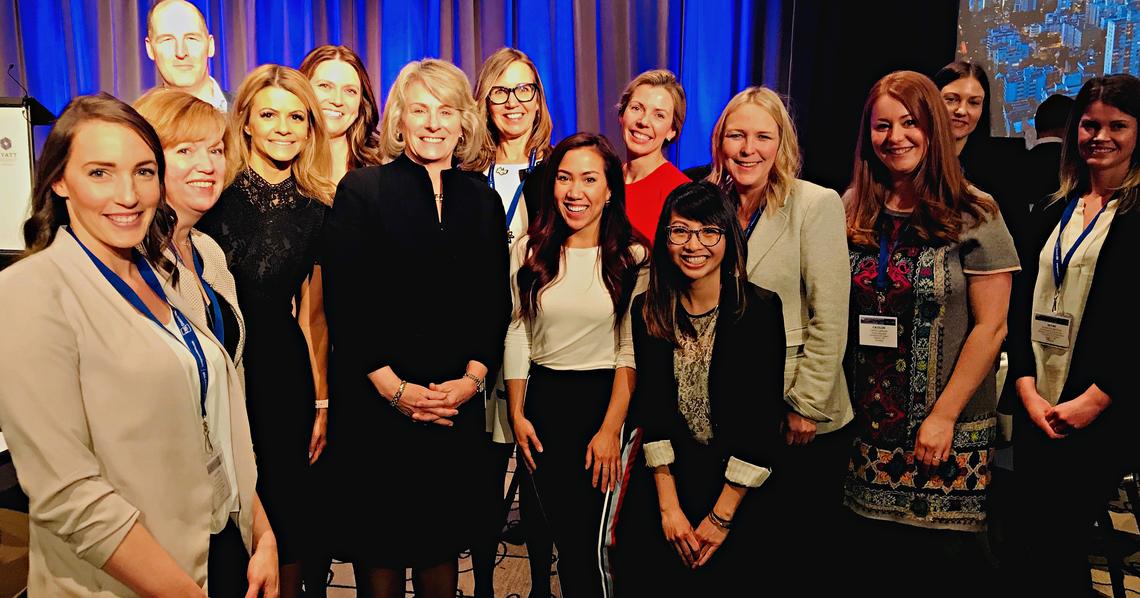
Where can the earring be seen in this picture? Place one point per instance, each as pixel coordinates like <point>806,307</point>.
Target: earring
<point>461,139</point>
<point>399,137</point>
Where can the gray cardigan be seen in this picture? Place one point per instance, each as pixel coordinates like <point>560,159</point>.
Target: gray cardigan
<point>799,251</point>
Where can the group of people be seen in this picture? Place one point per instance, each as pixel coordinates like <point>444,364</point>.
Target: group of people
<point>253,332</point>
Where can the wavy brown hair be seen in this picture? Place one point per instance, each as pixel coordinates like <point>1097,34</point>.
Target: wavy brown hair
<point>363,140</point>
<point>938,182</point>
<point>493,68</point>
<point>49,210</point>
<point>706,203</point>
<point>312,168</point>
<point>1123,93</point>
<point>548,233</point>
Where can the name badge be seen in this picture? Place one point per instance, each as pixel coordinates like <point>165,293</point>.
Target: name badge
<point>219,480</point>
<point>1053,329</point>
<point>879,331</point>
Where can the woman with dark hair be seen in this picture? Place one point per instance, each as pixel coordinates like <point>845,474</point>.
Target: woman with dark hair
<point>123,412</point>
<point>512,101</point>
<point>569,356</point>
<point>348,104</point>
<point>1075,426</point>
<point>710,349</point>
<point>931,269</point>
<point>986,163</point>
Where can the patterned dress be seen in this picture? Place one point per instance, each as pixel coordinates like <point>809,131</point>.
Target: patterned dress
<point>893,390</point>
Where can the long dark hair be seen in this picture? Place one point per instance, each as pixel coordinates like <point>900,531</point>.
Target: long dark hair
<point>1123,93</point>
<point>363,140</point>
<point>963,69</point>
<point>703,202</point>
<point>548,234</point>
<point>49,211</point>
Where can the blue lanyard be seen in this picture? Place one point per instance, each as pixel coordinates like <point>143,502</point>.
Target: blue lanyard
<point>518,190</point>
<point>752,223</point>
<point>885,252</point>
<point>217,325</point>
<point>1060,267</point>
<point>184,327</point>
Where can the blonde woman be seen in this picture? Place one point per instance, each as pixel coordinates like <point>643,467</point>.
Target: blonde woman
<point>651,112</point>
<point>267,222</point>
<point>795,232</point>
<point>512,103</point>
<point>418,305</point>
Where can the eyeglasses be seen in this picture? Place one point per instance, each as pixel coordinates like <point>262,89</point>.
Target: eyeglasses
<point>524,92</point>
<point>708,236</point>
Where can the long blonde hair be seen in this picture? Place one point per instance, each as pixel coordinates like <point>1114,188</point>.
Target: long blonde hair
<point>493,68</point>
<point>784,170</point>
<point>447,83</point>
<point>312,168</point>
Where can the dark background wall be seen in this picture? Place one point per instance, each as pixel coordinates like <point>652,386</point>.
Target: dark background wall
<point>836,53</point>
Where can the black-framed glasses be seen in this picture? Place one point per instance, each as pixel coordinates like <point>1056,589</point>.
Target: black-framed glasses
<point>708,236</point>
<point>524,92</point>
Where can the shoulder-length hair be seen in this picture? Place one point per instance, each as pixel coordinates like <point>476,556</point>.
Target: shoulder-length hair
<point>363,141</point>
<point>493,68</point>
<point>178,117</point>
<point>312,168</point>
<point>943,192</point>
<point>964,69</point>
<point>1123,93</point>
<point>548,234</point>
<point>448,84</point>
<point>668,81</point>
<point>787,165</point>
<point>706,203</point>
<point>49,210</point>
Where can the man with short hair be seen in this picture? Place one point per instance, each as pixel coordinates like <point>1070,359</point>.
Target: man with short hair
<point>180,46</point>
<point>1045,157</point>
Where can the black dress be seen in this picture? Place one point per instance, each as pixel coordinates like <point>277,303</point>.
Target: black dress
<point>270,235</point>
<point>405,290</point>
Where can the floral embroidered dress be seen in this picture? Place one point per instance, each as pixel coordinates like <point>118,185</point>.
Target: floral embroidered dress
<point>893,390</point>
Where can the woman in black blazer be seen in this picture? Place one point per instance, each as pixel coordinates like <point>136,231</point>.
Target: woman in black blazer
<point>710,351</point>
<point>1075,432</point>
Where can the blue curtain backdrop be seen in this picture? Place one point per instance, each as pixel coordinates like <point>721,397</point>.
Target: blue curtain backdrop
<point>585,50</point>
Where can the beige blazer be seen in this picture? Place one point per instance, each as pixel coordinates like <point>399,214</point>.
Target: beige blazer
<point>104,425</point>
<point>217,274</point>
<point>800,252</point>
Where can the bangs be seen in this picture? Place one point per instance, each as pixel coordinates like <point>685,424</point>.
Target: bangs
<point>196,123</point>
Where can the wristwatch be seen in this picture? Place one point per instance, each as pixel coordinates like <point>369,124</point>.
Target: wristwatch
<point>480,383</point>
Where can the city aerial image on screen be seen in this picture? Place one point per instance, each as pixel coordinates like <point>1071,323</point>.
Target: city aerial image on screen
<point>1035,48</point>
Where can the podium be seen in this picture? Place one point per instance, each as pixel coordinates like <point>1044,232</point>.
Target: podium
<point>17,168</point>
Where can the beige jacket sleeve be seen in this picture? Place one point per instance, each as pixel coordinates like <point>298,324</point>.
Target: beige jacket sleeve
<point>43,418</point>
<point>825,273</point>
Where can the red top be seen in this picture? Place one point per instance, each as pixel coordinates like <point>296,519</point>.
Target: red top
<point>645,198</point>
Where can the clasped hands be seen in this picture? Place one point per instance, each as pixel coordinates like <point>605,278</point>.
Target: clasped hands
<point>1058,421</point>
<point>436,403</point>
<point>695,547</point>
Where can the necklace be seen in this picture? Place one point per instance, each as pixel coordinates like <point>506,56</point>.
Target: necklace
<point>438,198</point>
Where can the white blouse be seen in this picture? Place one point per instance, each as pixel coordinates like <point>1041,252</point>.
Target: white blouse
<point>574,326</point>
<point>1052,363</point>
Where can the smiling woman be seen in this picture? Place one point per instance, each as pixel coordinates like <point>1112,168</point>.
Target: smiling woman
<point>931,268</point>
<point>348,104</point>
<point>268,221</point>
<point>416,271</point>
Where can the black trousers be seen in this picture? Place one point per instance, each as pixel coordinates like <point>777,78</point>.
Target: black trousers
<point>567,409</point>
<point>227,563</point>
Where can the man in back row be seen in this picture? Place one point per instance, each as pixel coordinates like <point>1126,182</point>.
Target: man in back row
<point>180,46</point>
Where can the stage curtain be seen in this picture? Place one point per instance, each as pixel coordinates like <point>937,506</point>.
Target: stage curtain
<point>586,50</point>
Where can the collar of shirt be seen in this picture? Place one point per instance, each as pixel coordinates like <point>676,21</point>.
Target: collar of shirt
<point>1041,140</point>
<point>218,97</point>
